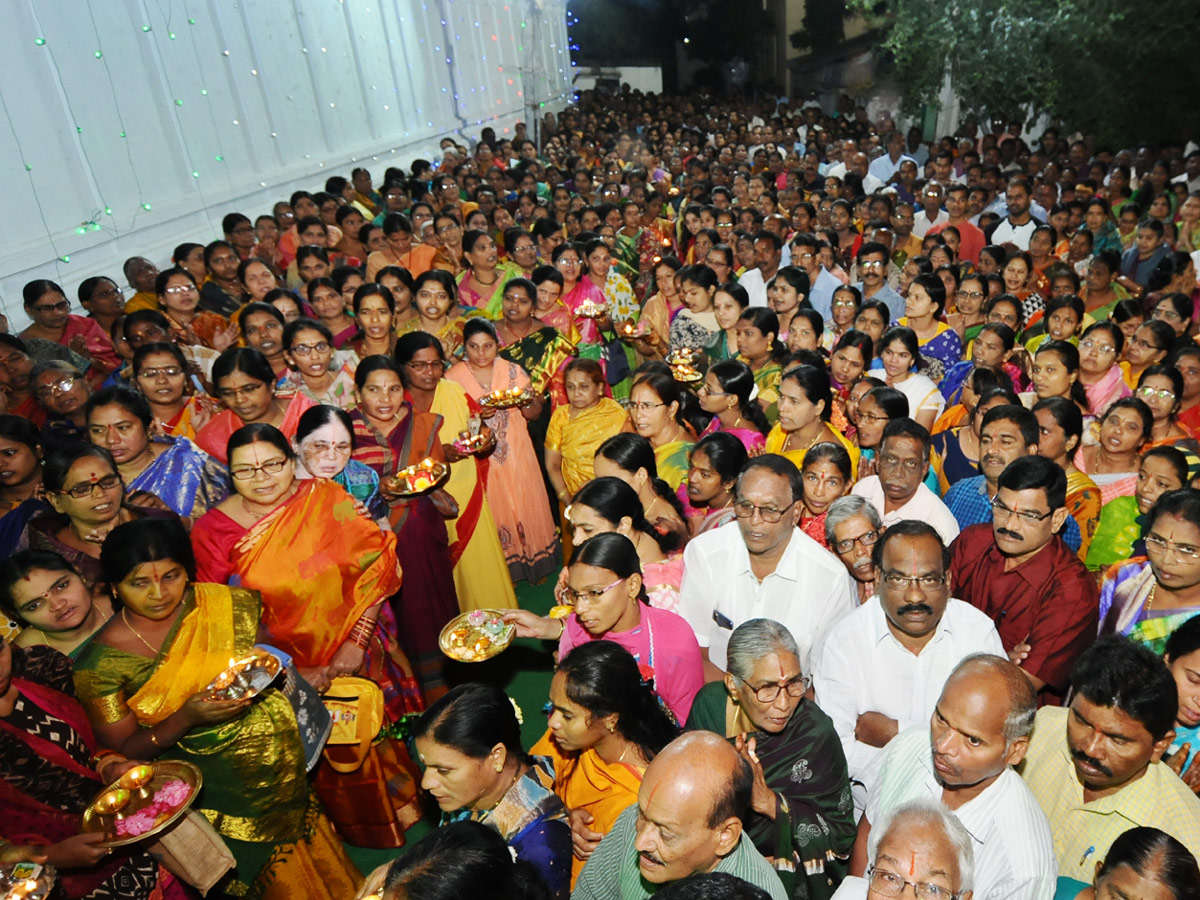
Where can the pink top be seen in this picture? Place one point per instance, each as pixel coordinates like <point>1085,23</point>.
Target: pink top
<point>751,439</point>
<point>663,636</point>
<point>94,338</point>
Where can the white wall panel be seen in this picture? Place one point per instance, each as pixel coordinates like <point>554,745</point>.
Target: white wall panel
<point>195,108</point>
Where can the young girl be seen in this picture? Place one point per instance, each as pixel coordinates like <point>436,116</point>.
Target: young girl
<point>757,335</point>
<point>788,293</point>
<point>695,326</point>
<point>578,427</point>
<point>711,484</point>
<point>727,394</point>
<point>728,303</point>
<point>825,476</point>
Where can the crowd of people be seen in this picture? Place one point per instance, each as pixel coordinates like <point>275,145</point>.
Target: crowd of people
<point>863,468</point>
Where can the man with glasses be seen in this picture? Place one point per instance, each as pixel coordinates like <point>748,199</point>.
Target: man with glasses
<point>939,853</point>
<point>880,669</point>
<point>1019,572</point>
<point>872,259</point>
<point>766,568</point>
<point>898,492</point>
<point>1007,433</point>
<point>852,526</point>
<point>964,757</point>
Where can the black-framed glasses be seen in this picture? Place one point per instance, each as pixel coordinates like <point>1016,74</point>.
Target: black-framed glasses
<point>889,884</point>
<point>169,371</point>
<point>306,349</point>
<point>866,539</point>
<point>898,582</point>
<point>270,467</point>
<point>768,693</point>
<point>424,365</point>
<point>744,509</point>
<point>1000,510</point>
<point>60,306</point>
<point>88,488</point>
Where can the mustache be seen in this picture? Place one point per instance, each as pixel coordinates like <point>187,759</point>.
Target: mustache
<point>650,857</point>
<point>991,458</point>
<point>1094,763</point>
<point>915,607</point>
<point>1009,534</point>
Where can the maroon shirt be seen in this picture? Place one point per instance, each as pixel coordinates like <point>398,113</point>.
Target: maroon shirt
<point>1049,602</point>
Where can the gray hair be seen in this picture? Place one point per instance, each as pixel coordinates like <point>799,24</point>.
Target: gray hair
<point>848,507</point>
<point>754,639</point>
<point>927,811</point>
<point>1022,699</point>
<point>54,365</point>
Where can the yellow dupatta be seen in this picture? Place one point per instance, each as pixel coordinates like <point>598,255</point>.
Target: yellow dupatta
<point>202,648</point>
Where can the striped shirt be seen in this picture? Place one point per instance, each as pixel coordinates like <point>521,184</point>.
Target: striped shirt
<point>1083,832</point>
<point>612,873</point>
<point>1014,855</point>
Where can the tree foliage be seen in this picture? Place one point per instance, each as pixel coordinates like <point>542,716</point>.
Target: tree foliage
<point>1120,69</point>
<point>824,25</point>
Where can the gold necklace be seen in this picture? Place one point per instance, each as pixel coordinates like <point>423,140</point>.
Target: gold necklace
<point>46,639</point>
<point>137,634</point>
<point>787,440</point>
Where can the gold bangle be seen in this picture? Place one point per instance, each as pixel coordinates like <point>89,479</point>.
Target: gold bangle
<point>562,629</point>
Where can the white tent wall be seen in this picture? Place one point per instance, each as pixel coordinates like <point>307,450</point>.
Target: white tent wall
<point>131,126</point>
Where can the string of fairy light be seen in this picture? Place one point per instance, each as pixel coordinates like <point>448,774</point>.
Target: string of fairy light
<point>464,33</point>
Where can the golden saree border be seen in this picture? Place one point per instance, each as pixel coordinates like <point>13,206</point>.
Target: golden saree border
<point>107,710</point>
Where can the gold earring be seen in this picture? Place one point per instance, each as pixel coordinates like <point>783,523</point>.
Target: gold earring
<point>499,767</point>
<point>611,727</point>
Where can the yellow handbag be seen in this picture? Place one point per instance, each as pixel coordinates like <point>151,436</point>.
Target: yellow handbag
<point>356,707</point>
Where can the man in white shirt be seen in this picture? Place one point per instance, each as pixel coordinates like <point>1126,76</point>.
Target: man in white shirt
<point>859,164</point>
<point>768,252</point>
<point>1018,225</point>
<point>898,491</point>
<point>879,670</point>
<point>931,196</point>
<point>979,730</point>
<point>762,566</point>
<point>884,167</point>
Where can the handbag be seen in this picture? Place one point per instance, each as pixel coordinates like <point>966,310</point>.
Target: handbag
<point>356,707</point>
<point>193,852</point>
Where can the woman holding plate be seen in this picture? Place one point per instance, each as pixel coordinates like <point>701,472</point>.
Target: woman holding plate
<point>143,681</point>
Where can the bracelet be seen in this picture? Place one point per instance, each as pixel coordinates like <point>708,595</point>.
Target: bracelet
<point>100,755</point>
<point>562,628</point>
<point>360,634</point>
<point>154,738</point>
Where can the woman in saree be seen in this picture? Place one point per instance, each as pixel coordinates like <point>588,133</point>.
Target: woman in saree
<point>825,475</point>
<point>632,245</point>
<point>179,300</point>
<point>1100,348</point>
<point>329,306</point>
<point>727,395</point>
<point>262,327</point>
<point>801,816</point>
<point>177,409</point>
<point>50,772</point>
<point>375,312</point>
<point>631,458</point>
<point>324,445</point>
<point>245,383</point>
<point>655,411</point>
<point>968,317</point>
<point>173,469</point>
<point>142,681</point>
<point>438,313</point>
<point>480,571</point>
<point>606,590</point>
<point>317,371</point>
<point>578,289</point>
<point>1060,430</point>
<point>1160,388</point>
<point>804,410</point>
<point>1112,462</point>
<point>89,500</point>
<point>606,724</point>
<point>257,278</point>
<point>711,485</point>
<point>49,311</point>
<point>20,482</point>
<point>1150,345</point>
<point>1119,535</point>
<point>540,349</point>
<point>550,308</point>
<point>481,283</point>
<point>48,598</point>
<point>610,504</point>
<point>324,570</point>
<point>390,435</point>
<point>469,742</point>
<point>729,302</point>
<point>760,349</point>
<point>694,328</point>
<point>1147,597</point>
<point>852,355</point>
<point>522,513</point>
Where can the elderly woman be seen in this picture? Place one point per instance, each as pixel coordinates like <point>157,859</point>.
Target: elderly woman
<point>801,814</point>
<point>469,742</point>
<point>62,392</point>
<point>173,469</point>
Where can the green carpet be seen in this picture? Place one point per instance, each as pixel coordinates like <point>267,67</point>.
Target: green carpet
<point>523,671</point>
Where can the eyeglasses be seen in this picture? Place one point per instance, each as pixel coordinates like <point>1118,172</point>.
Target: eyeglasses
<point>969,295</point>
<point>1090,344</point>
<point>891,885</point>
<point>871,264</point>
<point>180,289</point>
<point>1145,345</point>
<point>866,539</point>
<point>423,365</point>
<point>1000,511</point>
<point>890,461</point>
<point>768,693</point>
<point>703,389</point>
<point>60,306</point>
<point>898,582</point>
<point>306,349</point>
<point>56,387</point>
<point>645,406</point>
<point>322,448</point>
<point>844,304</point>
<point>447,229</point>
<point>168,371</point>
<point>1149,393</point>
<point>88,488</point>
<point>244,391</point>
<point>270,467</point>
<point>1169,314</point>
<point>107,293</point>
<point>1161,545</point>
<point>573,598</point>
<point>744,509</point>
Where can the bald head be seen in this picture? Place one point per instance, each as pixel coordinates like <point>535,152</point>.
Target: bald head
<point>1009,684</point>
<point>701,768</point>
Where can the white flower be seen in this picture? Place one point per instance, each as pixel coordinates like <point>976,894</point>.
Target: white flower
<point>520,721</point>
